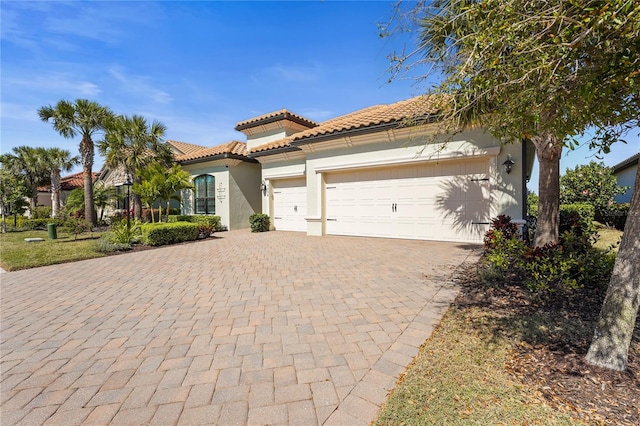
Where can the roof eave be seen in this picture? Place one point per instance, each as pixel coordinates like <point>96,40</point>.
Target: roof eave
<point>223,156</point>
<point>274,151</point>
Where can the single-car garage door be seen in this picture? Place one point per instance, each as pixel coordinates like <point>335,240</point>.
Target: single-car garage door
<point>289,204</point>
<point>448,201</point>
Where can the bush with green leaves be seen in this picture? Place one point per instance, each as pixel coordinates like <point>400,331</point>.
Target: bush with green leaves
<point>616,215</point>
<point>76,226</point>
<point>260,222</point>
<point>103,245</point>
<point>206,220</point>
<point>122,232</point>
<point>37,224</point>
<point>577,218</point>
<point>158,234</point>
<point>592,183</point>
<point>41,212</point>
<point>559,268</point>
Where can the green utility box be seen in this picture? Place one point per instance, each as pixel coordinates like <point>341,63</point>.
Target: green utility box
<point>53,231</point>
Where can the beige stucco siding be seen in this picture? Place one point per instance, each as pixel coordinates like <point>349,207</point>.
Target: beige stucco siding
<point>221,175</point>
<point>244,194</point>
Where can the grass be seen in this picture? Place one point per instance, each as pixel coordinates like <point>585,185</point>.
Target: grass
<point>459,378</point>
<point>15,253</point>
<point>608,237</point>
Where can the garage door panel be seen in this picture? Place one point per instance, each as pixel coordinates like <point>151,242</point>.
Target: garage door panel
<point>420,202</point>
<point>289,204</point>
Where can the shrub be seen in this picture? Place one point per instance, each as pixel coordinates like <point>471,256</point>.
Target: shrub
<point>206,220</point>
<point>559,268</point>
<point>122,234</point>
<point>616,215</point>
<point>158,234</point>
<point>77,226</point>
<point>37,224</point>
<point>259,222</point>
<point>577,218</point>
<point>103,245</point>
<point>41,212</point>
<point>503,225</point>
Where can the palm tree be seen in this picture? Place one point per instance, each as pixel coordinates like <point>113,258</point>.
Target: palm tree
<point>56,160</point>
<point>133,144</point>
<point>102,195</point>
<point>84,118</point>
<point>176,180</point>
<point>27,163</point>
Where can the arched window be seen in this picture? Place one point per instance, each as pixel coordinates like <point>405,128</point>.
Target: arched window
<point>205,201</point>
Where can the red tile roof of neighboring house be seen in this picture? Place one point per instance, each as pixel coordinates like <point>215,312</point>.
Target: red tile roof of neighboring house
<point>185,148</point>
<point>70,182</point>
<point>400,113</point>
<point>235,148</point>
<point>282,114</point>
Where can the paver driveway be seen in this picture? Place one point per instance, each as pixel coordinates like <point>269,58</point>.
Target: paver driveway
<point>272,328</point>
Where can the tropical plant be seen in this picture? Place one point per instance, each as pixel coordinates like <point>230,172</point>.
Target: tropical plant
<point>132,144</point>
<point>26,164</point>
<point>592,183</point>
<point>56,160</point>
<point>13,192</point>
<point>102,196</point>
<point>75,203</point>
<point>176,180</point>
<point>84,118</point>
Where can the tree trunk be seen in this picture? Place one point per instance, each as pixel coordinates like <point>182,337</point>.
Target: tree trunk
<point>614,330</point>
<point>55,193</point>
<point>86,152</point>
<point>548,151</point>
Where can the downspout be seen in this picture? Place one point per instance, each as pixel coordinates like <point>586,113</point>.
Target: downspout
<point>525,178</point>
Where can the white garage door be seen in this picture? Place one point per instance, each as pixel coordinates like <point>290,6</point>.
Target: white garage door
<point>289,204</point>
<point>447,202</point>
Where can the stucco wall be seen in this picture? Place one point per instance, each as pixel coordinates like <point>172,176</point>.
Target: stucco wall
<point>244,194</point>
<point>626,177</point>
<point>221,174</point>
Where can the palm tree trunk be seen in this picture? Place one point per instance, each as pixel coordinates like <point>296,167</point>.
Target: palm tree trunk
<point>55,192</point>
<point>614,329</point>
<point>87,153</point>
<point>548,151</point>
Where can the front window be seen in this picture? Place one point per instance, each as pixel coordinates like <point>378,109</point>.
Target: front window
<point>205,202</point>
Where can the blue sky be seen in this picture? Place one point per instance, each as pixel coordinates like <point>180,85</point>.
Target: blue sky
<point>200,67</point>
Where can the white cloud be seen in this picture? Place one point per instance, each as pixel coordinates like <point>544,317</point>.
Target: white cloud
<point>291,73</point>
<point>140,85</point>
<point>55,83</point>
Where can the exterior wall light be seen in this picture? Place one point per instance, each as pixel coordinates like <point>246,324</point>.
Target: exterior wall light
<point>263,187</point>
<point>508,164</point>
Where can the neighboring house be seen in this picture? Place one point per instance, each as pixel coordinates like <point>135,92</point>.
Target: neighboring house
<point>68,184</point>
<point>374,173</point>
<point>226,180</point>
<point>625,173</point>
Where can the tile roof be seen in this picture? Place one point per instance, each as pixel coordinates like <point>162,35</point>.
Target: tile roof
<point>400,112</point>
<point>185,148</point>
<point>70,182</point>
<point>282,114</point>
<point>234,148</point>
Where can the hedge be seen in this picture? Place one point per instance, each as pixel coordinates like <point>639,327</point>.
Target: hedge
<point>159,234</point>
<point>201,219</point>
<point>33,224</point>
<point>259,222</point>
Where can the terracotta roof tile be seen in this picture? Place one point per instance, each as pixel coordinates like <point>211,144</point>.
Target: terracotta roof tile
<point>233,147</point>
<point>70,182</point>
<point>375,115</point>
<point>282,114</point>
<point>185,148</point>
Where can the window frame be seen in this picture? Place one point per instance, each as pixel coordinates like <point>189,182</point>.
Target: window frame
<point>208,199</point>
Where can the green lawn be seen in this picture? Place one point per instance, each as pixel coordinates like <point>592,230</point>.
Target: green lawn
<point>608,237</point>
<point>15,253</point>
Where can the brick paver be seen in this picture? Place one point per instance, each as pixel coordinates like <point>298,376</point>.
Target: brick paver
<point>271,328</point>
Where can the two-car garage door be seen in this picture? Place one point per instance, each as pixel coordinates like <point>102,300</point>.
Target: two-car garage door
<point>448,201</point>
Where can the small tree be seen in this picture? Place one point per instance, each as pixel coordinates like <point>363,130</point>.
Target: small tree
<point>592,183</point>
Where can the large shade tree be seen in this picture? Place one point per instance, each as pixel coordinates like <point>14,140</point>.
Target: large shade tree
<point>546,71</point>
<point>56,160</point>
<point>82,118</point>
<point>132,143</point>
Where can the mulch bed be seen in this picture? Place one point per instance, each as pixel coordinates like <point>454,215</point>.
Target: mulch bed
<point>553,362</point>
